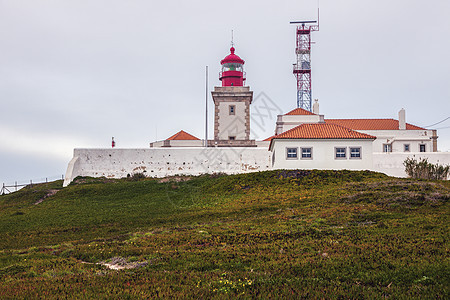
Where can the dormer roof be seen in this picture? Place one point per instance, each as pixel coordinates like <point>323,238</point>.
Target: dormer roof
<point>182,135</point>
<point>299,111</point>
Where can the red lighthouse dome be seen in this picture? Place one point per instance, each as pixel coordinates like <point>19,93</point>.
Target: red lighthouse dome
<point>232,70</point>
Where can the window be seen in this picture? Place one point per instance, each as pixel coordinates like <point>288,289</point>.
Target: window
<point>406,147</point>
<point>422,148</point>
<point>355,152</point>
<point>291,153</point>
<point>232,109</point>
<point>340,152</point>
<point>231,138</point>
<point>232,67</point>
<point>306,153</point>
<point>387,148</point>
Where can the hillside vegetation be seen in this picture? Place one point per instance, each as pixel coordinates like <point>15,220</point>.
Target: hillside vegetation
<point>277,234</point>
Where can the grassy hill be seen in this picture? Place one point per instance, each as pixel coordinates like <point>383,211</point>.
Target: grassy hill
<point>289,234</point>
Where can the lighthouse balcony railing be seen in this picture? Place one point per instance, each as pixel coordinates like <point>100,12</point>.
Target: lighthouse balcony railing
<point>233,74</point>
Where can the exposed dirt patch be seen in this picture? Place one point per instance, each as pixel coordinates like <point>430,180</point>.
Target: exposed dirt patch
<point>175,179</point>
<point>92,180</point>
<point>120,263</point>
<point>49,194</point>
<point>294,174</point>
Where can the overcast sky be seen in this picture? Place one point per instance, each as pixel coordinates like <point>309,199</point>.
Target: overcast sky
<point>75,73</point>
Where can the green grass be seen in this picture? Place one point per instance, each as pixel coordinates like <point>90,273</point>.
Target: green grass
<point>278,234</point>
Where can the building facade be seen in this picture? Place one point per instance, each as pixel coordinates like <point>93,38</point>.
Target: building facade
<point>321,146</point>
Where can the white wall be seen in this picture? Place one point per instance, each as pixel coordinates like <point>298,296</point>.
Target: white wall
<point>323,154</point>
<point>262,144</point>
<point>286,122</point>
<point>392,163</point>
<point>400,137</point>
<point>161,162</point>
<point>232,125</point>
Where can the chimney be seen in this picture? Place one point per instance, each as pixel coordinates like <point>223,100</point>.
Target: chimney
<point>401,119</point>
<point>279,125</point>
<point>315,109</point>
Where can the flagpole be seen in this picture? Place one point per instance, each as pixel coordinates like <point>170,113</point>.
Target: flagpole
<point>206,110</point>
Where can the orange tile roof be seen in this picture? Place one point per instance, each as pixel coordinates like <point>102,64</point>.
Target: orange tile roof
<point>321,131</point>
<point>182,135</point>
<point>299,111</point>
<point>371,124</point>
<point>269,138</point>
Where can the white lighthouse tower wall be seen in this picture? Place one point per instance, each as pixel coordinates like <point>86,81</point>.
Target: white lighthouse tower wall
<point>232,113</point>
<point>232,124</point>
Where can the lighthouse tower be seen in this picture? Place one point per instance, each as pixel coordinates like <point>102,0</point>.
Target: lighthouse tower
<point>232,105</point>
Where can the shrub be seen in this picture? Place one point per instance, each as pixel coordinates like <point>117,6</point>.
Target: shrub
<point>424,170</point>
<point>136,176</point>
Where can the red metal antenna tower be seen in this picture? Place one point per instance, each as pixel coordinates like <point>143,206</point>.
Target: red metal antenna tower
<point>302,69</point>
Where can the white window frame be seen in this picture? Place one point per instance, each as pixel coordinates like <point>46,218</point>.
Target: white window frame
<point>336,153</point>
<point>359,152</point>
<point>406,146</point>
<point>424,148</point>
<point>310,153</point>
<point>287,152</point>
<point>387,148</point>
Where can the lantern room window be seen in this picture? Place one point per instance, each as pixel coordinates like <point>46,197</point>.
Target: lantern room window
<point>232,67</point>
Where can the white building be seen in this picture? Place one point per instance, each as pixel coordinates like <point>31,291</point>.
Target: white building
<point>391,135</point>
<point>322,146</point>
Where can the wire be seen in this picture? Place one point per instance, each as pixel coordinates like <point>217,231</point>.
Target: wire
<point>443,127</point>
<point>438,122</point>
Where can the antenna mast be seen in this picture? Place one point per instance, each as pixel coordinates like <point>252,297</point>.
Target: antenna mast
<point>302,68</point>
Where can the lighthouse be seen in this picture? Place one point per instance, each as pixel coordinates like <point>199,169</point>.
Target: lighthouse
<point>232,70</point>
<point>232,104</point>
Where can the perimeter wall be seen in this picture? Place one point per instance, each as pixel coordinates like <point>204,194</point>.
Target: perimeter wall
<point>162,162</point>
